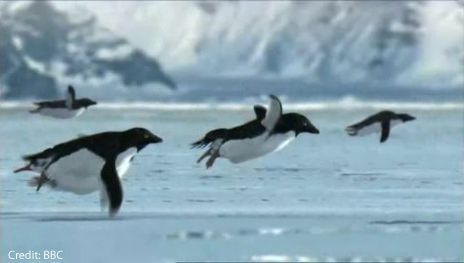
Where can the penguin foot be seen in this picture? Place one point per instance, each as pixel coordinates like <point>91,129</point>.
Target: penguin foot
<point>211,159</point>
<point>206,154</point>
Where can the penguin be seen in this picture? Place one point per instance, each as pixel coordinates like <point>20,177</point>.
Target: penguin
<point>90,163</point>
<point>380,122</point>
<point>270,131</point>
<point>64,109</point>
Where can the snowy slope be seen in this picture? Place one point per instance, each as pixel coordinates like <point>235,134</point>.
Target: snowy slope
<point>322,45</point>
<point>407,43</point>
<point>44,49</point>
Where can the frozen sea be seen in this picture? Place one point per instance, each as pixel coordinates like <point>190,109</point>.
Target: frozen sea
<point>324,198</point>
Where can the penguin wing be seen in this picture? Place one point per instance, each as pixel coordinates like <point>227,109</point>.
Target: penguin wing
<point>260,112</point>
<point>70,97</point>
<point>273,114</point>
<point>112,185</point>
<point>47,153</point>
<point>385,131</point>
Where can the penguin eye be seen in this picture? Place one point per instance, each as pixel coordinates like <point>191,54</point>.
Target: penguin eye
<point>146,136</point>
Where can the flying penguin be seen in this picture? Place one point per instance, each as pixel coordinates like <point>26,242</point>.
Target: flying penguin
<point>270,131</point>
<point>64,109</point>
<point>381,122</point>
<point>90,163</point>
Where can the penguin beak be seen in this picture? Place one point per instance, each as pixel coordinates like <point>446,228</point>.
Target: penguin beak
<point>155,139</point>
<point>311,129</point>
<point>90,103</point>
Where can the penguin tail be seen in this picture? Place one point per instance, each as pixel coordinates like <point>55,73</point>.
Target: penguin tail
<point>41,155</point>
<point>29,158</point>
<point>202,143</point>
<point>209,138</point>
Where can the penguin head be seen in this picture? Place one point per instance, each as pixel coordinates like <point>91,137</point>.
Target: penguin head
<point>405,117</point>
<point>87,102</point>
<point>300,124</point>
<point>140,137</point>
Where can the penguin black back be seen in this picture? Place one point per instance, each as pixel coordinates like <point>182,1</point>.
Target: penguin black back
<point>380,122</point>
<point>294,122</point>
<point>106,144</point>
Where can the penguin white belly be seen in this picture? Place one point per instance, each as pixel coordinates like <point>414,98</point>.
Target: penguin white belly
<point>376,128</point>
<point>61,113</point>
<point>395,122</point>
<point>80,172</point>
<point>370,129</point>
<point>242,150</point>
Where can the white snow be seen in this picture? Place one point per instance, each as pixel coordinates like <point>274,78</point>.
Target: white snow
<point>323,41</point>
<point>17,42</point>
<point>35,65</point>
<point>120,52</point>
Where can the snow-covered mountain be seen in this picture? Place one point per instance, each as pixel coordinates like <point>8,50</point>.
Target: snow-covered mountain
<point>387,42</point>
<point>336,46</point>
<point>43,49</point>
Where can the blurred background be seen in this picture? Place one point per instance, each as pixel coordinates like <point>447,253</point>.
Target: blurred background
<point>183,68</point>
<point>229,51</point>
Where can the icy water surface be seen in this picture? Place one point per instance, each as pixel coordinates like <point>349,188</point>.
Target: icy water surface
<point>326,197</point>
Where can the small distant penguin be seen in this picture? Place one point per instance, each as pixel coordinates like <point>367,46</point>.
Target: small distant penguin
<point>270,131</point>
<point>380,122</point>
<point>90,163</point>
<point>64,109</point>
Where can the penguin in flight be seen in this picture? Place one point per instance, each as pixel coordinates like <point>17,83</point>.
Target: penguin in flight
<point>90,163</point>
<point>64,109</point>
<point>270,131</point>
<point>380,122</point>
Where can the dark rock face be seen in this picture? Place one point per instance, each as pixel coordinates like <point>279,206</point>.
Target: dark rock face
<point>37,39</point>
<point>138,68</point>
<point>21,80</point>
